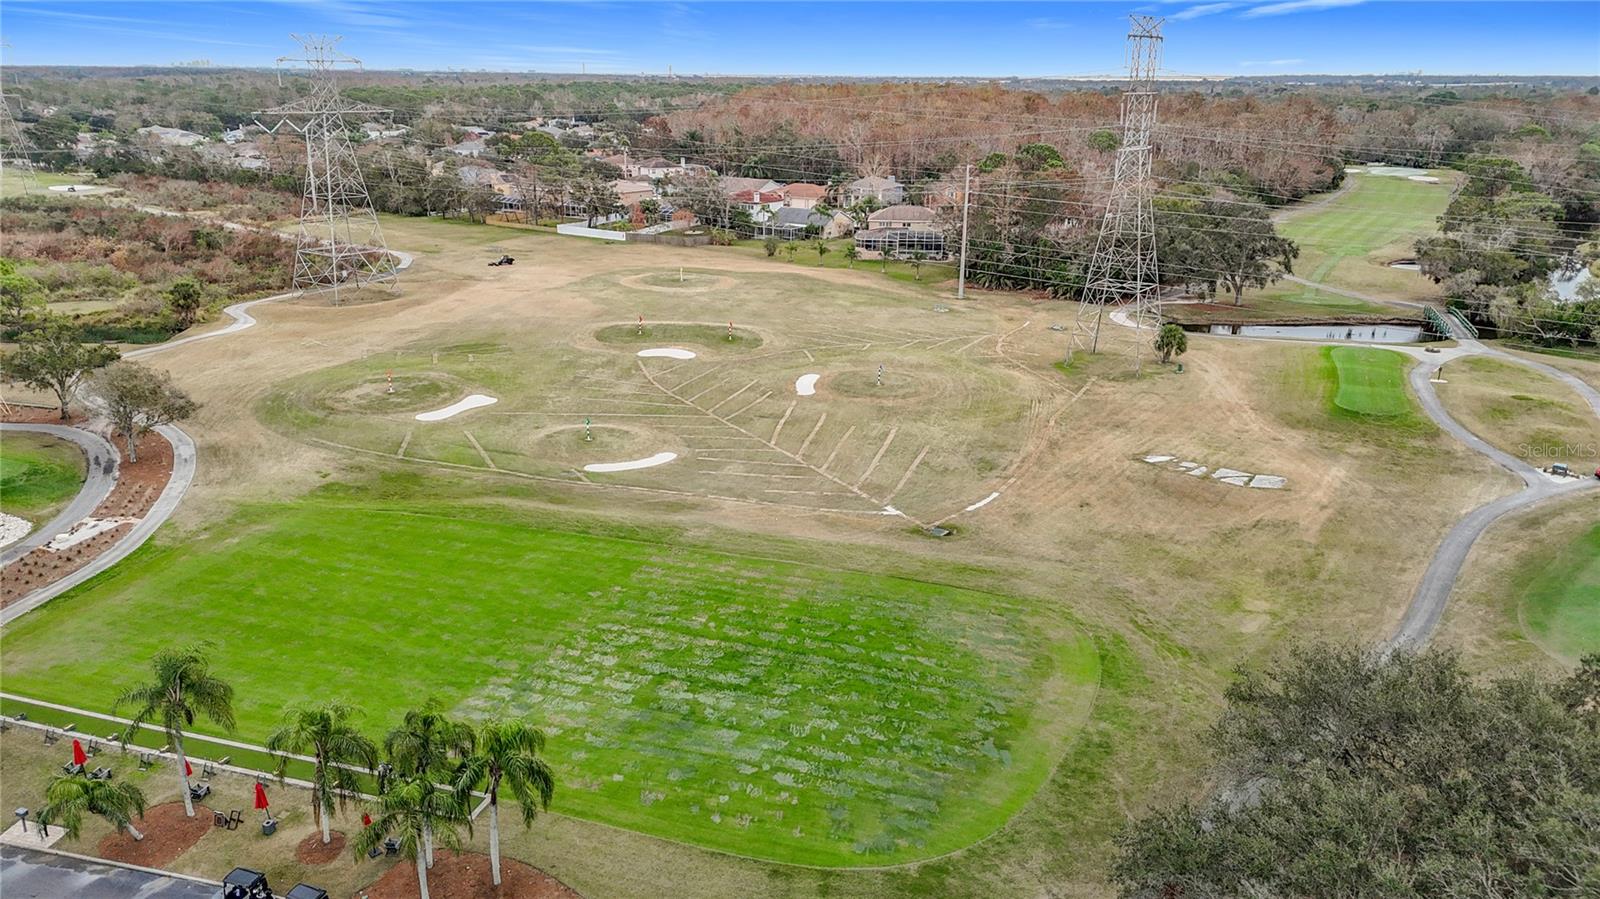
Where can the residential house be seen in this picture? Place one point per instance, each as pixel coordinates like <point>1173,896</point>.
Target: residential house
<point>246,155</point>
<point>899,231</point>
<point>761,204</point>
<point>942,193</point>
<point>632,193</point>
<point>797,223</point>
<point>470,148</point>
<point>801,195</point>
<point>885,191</point>
<point>732,185</point>
<point>382,130</point>
<point>171,137</point>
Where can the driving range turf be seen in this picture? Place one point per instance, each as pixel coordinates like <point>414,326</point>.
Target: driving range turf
<point>769,708</point>
<point>38,474</point>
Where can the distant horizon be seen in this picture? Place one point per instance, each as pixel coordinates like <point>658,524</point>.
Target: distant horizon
<point>818,39</point>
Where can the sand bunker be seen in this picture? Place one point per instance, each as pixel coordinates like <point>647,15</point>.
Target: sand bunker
<point>472,402</point>
<point>651,462</point>
<point>1425,179</point>
<point>79,189</point>
<point>806,385</point>
<point>667,352</point>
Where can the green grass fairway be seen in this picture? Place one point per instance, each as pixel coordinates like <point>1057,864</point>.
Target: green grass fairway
<point>38,475</point>
<point>1370,381</point>
<point>768,708</point>
<point>1561,605</point>
<point>1349,241</point>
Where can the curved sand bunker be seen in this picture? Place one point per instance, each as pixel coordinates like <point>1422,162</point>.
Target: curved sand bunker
<point>472,402</point>
<point>806,385</point>
<point>651,462</point>
<point>667,352</point>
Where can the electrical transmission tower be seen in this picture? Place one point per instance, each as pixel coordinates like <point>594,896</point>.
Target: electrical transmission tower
<point>1123,268</point>
<point>340,243</point>
<point>16,151</point>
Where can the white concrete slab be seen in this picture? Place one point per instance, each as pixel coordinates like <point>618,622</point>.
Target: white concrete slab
<point>1157,460</point>
<point>1223,473</point>
<point>1198,470</point>
<point>1268,481</point>
<point>34,837</point>
<point>1238,481</point>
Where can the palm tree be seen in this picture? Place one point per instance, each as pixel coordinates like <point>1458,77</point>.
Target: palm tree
<point>415,812</point>
<point>821,247</point>
<point>421,748</point>
<point>851,254</point>
<point>69,796</point>
<point>182,688</point>
<point>326,732</point>
<point>506,753</point>
<point>917,258</point>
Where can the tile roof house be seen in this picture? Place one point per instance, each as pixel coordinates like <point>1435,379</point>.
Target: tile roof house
<point>172,137</point>
<point>887,191</point>
<point>732,185</point>
<point>802,195</point>
<point>759,203</point>
<point>631,193</point>
<point>899,231</point>
<point>917,217</point>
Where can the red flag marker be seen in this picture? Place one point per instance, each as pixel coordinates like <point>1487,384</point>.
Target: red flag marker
<point>261,796</point>
<point>188,770</point>
<point>366,820</point>
<point>78,755</point>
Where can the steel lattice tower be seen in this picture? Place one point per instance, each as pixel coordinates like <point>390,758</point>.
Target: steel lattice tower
<point>1123,268</point>
<point>16,151</point>
<point>340,241</point>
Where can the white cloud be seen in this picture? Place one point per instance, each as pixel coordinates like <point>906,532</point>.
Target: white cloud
<point>1294,6</point>
<point>1204,9</point>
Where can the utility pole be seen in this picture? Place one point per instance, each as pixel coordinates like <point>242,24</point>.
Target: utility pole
<point>966,205</point>
<point>16,150</point>
<point>340,242</point>
<point>1123,268</point>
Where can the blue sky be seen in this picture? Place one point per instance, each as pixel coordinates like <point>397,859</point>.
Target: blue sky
<point>886,37</point>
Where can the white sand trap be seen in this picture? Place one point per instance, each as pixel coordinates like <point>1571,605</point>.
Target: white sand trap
<point>84,530</point>
<point>668,352</point>
<point>13,528</point>
<point>1354,170</point>
<point>1425,179</point>
<point>982,502</point>
<point>76,188</point>
<point>653,461</point>
<point>806,385</point>
<point>472,402</point>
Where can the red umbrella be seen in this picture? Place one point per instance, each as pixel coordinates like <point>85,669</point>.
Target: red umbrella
<point>187,770</point>
<point>366,820</point>
<point>261,796</point>
<point>78,755</point>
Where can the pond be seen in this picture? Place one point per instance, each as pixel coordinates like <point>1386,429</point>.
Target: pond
<point>1356,333</point>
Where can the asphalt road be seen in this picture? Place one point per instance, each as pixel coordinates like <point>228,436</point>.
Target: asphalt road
<point>30,874</point>
<point>102,476</point>
<point>1433,592</point>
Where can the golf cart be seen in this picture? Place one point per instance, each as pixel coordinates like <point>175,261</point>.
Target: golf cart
<point>503,260</point>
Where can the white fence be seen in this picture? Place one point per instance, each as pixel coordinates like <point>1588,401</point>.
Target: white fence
<point>576,230</point>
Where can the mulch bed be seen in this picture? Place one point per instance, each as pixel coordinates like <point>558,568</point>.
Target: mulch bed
<point>167,835</point>
<point>312,851</point>
<point>138,486</point>
<point>466,876</point>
